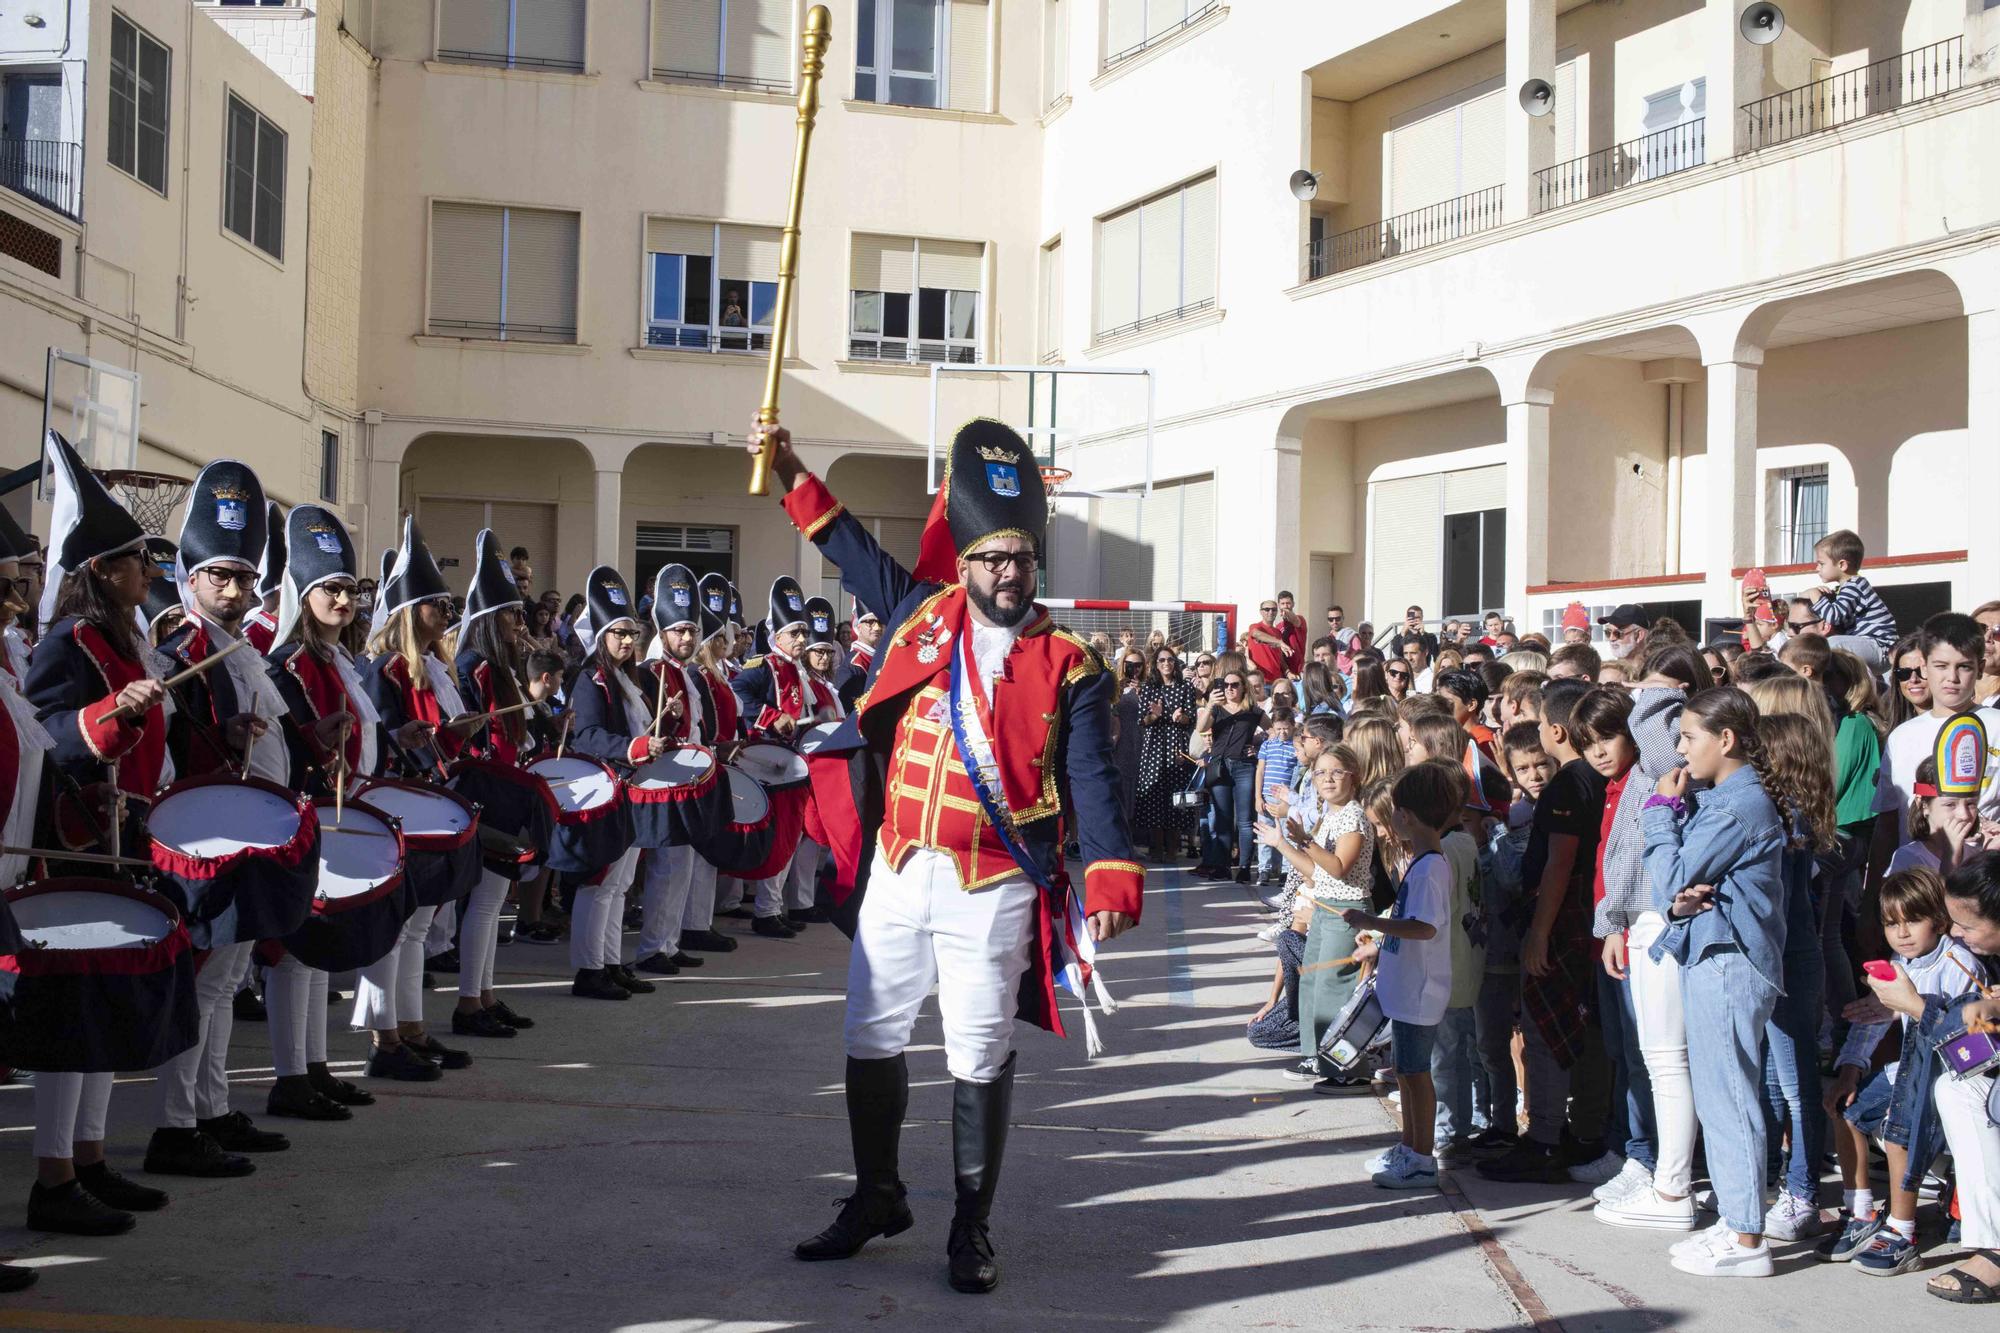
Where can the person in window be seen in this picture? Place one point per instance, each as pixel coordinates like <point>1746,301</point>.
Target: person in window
<point>732,309</point>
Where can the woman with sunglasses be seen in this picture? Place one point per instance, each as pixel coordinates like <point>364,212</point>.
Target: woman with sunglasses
<point>1231,720</point>
<point>1396,676</point>
<point>1909,689</point>
<point>1166,707</point>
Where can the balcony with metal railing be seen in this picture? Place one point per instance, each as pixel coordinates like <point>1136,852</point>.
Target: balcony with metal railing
<point>48,171</point>
<point>1467,215</point>
<point>1887,85</point>
<point>1633,162</point>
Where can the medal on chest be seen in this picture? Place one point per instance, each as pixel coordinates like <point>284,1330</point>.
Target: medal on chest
<point>931,640</point>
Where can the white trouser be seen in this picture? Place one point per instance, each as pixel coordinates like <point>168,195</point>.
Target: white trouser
<point>597,916</point>
<point>479,936</point>
<point>70,1109</point>
<point>669,877</point>
<point>295,1000</point>
<point>728,894</point>
<point>803,880</point>
<point>391,989</point>
<point>1663,1043</point>
<point>919,928</point>
<point>1975,1149</point>
<point>770,899</point>
<point>438,938</point>
<point>195,1083</point>
<point>699,914</point>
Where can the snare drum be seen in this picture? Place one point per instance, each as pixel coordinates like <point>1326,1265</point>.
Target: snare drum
<point>1360,1025</point>
<point>812,738</point>
<point>440,837</point>
<point>593,827</point>
<point>517,813</point>
<point>677,799</point>
<point>239,856</point>
<point>777,767</point>
<point>105,984</point>
<point>1971,1054</point>
<point>362,900</point>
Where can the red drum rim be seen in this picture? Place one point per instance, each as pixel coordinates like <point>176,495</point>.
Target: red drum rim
<point>517,774</point>
<point>589,814</point>
<point>667,793</point>
<point>291,855</point>
<point>426,842</point>
<point>323,906</point>
<point>156,956</point>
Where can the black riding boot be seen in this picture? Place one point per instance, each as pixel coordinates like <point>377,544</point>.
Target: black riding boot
<point>878,1093</point>
<point>979,1113</point>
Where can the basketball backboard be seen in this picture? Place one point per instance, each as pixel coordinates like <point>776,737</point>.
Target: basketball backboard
<point>95,407</point>
<point>1094,421</point>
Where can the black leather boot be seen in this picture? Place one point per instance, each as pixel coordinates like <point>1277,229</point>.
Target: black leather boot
<point>979,1114</point>
<point>878,1094</point>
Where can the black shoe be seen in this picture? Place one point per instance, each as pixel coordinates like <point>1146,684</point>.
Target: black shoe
<point>235,1132</point>
<point>1491,1142</point>
<point>402,1064</point>
<point>1529,1163</point>
<point>707,941</point>
<point>293,1096</point>
<point>1243,874</point>
<point>247,1006</point>
<point>478,1023</point>
<point>114,1191</point>
<point>74,1211</point>
<point>815,915</point>
<point>13,1278</point>
<point>505,934</point>
<point>1573,1151</point>
<point>442,962</point>
<point>864,1215</point>
<point>519,1022</point>
<point>771,928</point>
<point>432,1049</point>
<point>189,1152</point>
<point>335,1089</point>
<point>686,960</point>
<point>592,984</point>
<point>1341,1085</point>
<point>793,923</point>
<point>659,964</point>
<point>970,1250</point>
<point>878,1095</point>
<point>979,1113</point>
<point>622,975</point>
<point>540,933</point>
<point>741,912</point>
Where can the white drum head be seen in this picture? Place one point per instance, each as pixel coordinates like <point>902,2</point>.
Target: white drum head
<point>223,818</point>
<point>422,813</point>
<point>814,737</point>
<point>748,801</point>
<point>771,764</point>
<point>676,768</point>
<point>577,784</point>
<point>80,919</point>
<point>355,857</point>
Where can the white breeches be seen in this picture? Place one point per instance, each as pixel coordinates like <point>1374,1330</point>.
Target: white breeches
<point>391,989</point>
<point>699,914</point>
<point>195,1084</point>
<point>597,916</point>
<point>803,879</point>
<point>479,935</point>
<point>70,1109</point>
<point>669,880</point>
<point>295,1000</point>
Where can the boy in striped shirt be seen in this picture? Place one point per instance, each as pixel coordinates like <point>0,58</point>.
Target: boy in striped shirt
<point>1847,604</point>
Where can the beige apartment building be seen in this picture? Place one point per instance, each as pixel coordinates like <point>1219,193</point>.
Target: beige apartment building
<point>1585,300</point>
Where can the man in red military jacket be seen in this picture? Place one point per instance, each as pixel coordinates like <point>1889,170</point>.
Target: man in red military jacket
<point>983,737</point>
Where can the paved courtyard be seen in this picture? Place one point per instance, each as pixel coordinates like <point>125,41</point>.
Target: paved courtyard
<point>649,1165</point>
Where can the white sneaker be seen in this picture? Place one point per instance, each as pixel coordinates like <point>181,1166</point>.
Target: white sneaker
<point>1599,1170</point>
<point>1792,1218</point>
<point>1409,1173</point>
<point>1630,1180</point>
<point>1271,932</point>
<point>1645,1208</point>
<point>1387,1158</point>
<point>1687,1243</point>
<point>1305,1071</point>
<point>1722,1255</point>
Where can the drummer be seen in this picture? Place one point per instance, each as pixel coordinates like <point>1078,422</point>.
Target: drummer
<point>489,668</point>
<point>225,720</point>
<point>414,694</point>
<point>724,733</point>
<point>779,703</point>
<point>612,704</point>
<point>332,732</point>
<point>687,718</point>
<point>261,625</point>
<point>822,651</point>
<point>852,678</point>
<point>93,643</point>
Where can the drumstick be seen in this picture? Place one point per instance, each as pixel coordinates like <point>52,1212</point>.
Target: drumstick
<point>563,739</point>
<point>340,784</point>
<point>178,677</point>
<point>86,858</point>
<point>497,712</point>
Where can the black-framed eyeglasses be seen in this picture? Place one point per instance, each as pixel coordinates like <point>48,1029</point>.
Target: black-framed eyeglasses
<point>1901,674</point>
<point>996,562</point>
<point>8,587</point>
<point>621,634</point>
<point>440,604</point>
<point>220,578</point>
<point>339,592</point>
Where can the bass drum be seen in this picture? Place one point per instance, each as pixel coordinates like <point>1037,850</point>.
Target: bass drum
<point>517,814</point>
<point>105,982</point>
<point>677,799</point>
<point>440,837</point>
<point>239,856</point>
<point>362,900</point>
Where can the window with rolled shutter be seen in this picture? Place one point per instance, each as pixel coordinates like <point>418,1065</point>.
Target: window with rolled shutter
<point>928,53</point>
<point>548,34</point>
<point>1055,51</point>
<point>913,300</point>
<point>966,77</point>
<point>505,273</point>
<point>1124,561</point>
<point>1052,301</point>
<point>1197,571</point>
<point>687,39</point>
<point>1458,146</point>
<point>1156,260</point>
<point>466,270</point>
<point>1405,528</point>
<point>473,31</point>
<point>1472,489</point>
<point>758,43</point>
<point>1131,26</point>
<point>528,34</point>
<point>541,275</point>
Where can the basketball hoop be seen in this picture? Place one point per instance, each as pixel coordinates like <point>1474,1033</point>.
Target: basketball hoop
<point>149,497</point>
<point>1053,481</point>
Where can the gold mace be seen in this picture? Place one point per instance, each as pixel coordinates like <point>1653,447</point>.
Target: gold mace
<point>819,35</point>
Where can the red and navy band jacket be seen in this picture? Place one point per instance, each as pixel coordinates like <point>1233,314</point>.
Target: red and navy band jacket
<point>770,687</point>
<point>73,682</point>
<point>477,690</point>
<point>197,735</point>
<point>600,727</point>
<point>387,680</point>
<point>672,682</point>
<point>851,677</point>
<point>725,715</point>
<point>312,689</point>
<point>1050,724</point>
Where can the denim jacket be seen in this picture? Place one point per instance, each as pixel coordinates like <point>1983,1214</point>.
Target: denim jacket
<point>1733,840</point>
<point>1913,1120</point>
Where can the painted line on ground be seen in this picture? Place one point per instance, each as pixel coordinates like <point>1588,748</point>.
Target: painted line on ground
<point>134,1323</point>
<point>1180,981</point>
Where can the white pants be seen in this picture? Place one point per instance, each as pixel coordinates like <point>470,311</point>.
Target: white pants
<point>295,1000</point>
<point>479,936</point>
<point>443,926</point>
<point>669,879</point>
<point>70,1109</point>
<point>728,894</point>
<point>597,916</point>
<point>803,880</point>
<point>1663,1043</point>
<point>919,928</point>
<point>391,989</point>
<point>770,899</point>
<point>699,914</point>
<point>195,1084</point>
<point>1975,1149</point>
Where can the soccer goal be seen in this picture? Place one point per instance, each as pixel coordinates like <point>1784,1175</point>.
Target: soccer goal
<point>1191,627</point>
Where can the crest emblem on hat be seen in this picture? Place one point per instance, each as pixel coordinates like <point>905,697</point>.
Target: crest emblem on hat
<point>231,513</point>
<point>794,602</point>
<point>325,538</point>
<point>1004,480</point>
<point>614,594</point>
<point>680,596</point>
<point>715,602</point>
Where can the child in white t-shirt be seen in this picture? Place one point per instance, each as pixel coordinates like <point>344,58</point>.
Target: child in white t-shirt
<point>1413,974</point>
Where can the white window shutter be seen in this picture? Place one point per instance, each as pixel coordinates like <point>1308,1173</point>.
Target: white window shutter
<point>465,270</point>
<point>1405,528</point>
<point>472,28</point>
<point>966,90</point>
<point>749,253</point>
<point>685,36</point>
<point>1198,243</point>
<point>1055,50</point>
<point>759,43</point>
<point>884,263</point>
<point>1472,489</point>
<point>1482,152</point>
<point>954,265</point>
<point>1160,526</point>
<point>549,32</point>
<point>1422,162</point>
<point>1197,577</point>
<point>1124,25</point>
<point>1162,15</point>
<point>677,236</point>
<point>1160,255</point>
<point>541,273</point>
<point>1118,270</point>
<point>1123,563</point>
<point>1567,129</point>
<point>1052,293</point>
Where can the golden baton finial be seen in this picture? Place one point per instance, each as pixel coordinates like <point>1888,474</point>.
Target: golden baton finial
<point>819,35</point>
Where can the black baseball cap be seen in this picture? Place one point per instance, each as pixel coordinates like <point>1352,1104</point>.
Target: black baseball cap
<point>1625,616</point>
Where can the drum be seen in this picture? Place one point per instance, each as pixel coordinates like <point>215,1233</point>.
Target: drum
<point>763,828</point>
<point>362,900</point>
<point>440,837</point>
<point>1360,1025</point>
<point>517,814</point>
<point>1971,1054</point>
<point>593,827</point>
<point>105,984</point>
<point>777,767</point>
<point>812,738</point>
<point>239,857</point>
<point>677,799</point>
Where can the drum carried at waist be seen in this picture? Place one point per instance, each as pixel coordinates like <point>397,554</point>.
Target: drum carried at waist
<point>517,813</point>
<point>593,828</point>
<point>104,983</point>
<point>776,767</point>
<point>678,799</point>
<point>239,856</point>
<point>440,836</point>
<point>763,827</point>
<point>362,900</point>
<point>1361,1024</point>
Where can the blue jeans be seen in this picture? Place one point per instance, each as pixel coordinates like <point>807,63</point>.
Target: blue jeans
<point>1728,1006</point>
<point>1456,1073</point>
<point>1231,808</point>
<point>1632,1130</point>
<point>1791,1068</point>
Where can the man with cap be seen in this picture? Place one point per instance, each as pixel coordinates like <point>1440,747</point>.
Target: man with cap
<point>724,733</point>
<point>852,677</point>
<point>983,740</point>
<point>686,718</point>
<point>260,626</point>
<point>777,701</point>
<point>1625,631</point>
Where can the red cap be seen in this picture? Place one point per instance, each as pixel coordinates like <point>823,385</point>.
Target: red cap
<point>1575,617</point>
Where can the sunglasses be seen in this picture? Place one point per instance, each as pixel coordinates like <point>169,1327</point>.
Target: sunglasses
<point>1233,684</point>
<point>1397,675</point>
<point>1901,674</point>
<point>1267,608</point>
<point>1801,626</point>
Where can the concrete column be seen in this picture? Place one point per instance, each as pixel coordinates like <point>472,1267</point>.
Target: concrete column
<point>1527,495</point>
<point>1531,140</point>
<point>1729,479</point>
<point>1982,431</point>
<point>607,535</point>
<point>1735,76</point>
